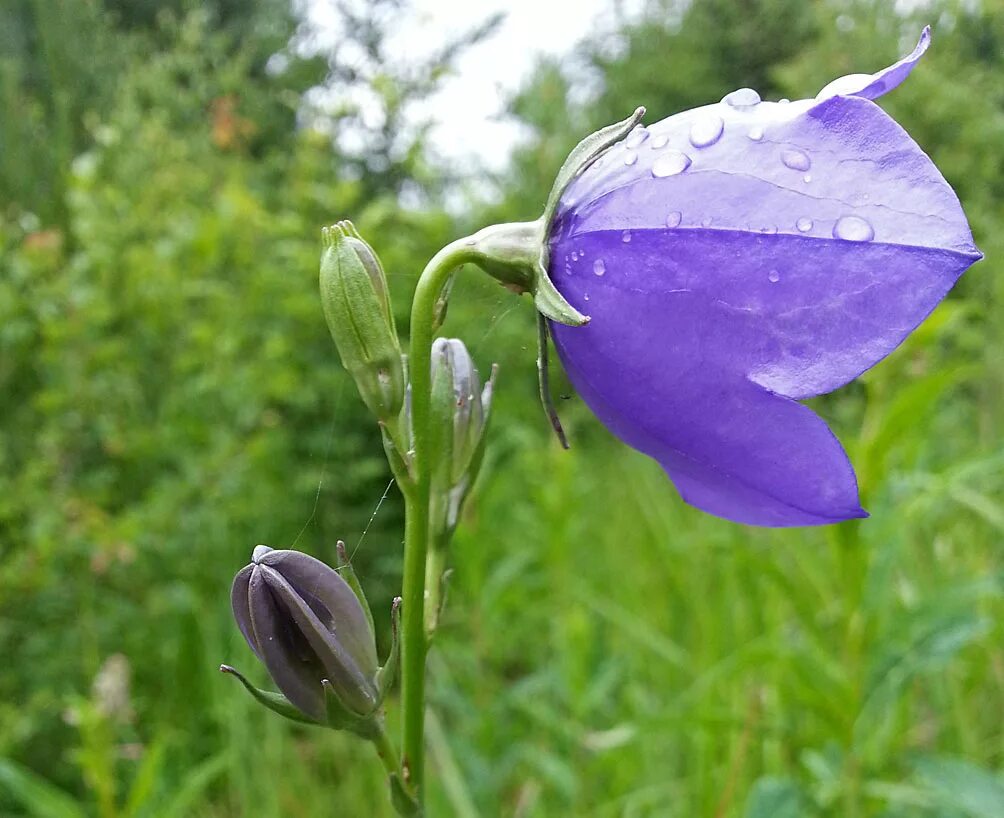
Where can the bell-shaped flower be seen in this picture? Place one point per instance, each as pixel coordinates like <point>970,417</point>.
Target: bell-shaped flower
<point>737,258</point>
<point>314,634</point>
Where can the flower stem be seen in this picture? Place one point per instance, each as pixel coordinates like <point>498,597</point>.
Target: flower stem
<point>416,534</point>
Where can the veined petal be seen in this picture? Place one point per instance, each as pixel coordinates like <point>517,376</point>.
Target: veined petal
<point>354,688</point>
<point>332,601</point>
<point>242,607</point>
<point>290,667</point>
<point>815,250</point>
<point>731,447</point>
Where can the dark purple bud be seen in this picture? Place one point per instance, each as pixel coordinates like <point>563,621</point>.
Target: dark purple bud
<point>308,627</point>
<point>740,257</point>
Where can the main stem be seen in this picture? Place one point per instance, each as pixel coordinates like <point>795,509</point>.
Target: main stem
<point>416,530</point>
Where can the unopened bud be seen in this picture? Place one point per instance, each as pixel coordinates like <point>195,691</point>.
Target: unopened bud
<point>460,409</point>
<point>309,628</point>
<point>357,309</point>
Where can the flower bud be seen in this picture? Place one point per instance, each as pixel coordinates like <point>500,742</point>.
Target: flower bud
<point>460,409</point>
<point>357,309</point>
<point>308,627</point>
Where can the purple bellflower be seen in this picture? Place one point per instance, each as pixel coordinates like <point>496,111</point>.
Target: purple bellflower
<point>737,258</point>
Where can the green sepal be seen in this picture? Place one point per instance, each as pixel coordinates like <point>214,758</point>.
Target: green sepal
<point>581,157</point>
<point>386,675</point>
<point>275,702</point>
<point>544,382</point>
<point>549,302</point>
<point>348,573</point>
<point>340,717</point>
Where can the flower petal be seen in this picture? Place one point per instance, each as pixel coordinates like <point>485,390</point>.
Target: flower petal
<point>815,249</point>
<point>332,600</point>
<point>242,608</point>
<point>732,448</point>
<point>354,688</point>
<point>872,86</point>
<point>295,675</point>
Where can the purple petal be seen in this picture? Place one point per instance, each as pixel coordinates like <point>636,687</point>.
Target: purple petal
<point>288,664</point>
<point>872,86</point>
<point>732,448</point>
<point>813,281</point>
<point>355,689</point>
<point>744,249</point>
<point>332,600</point>
<point>242,608</point>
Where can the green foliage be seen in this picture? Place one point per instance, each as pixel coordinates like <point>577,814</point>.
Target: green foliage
<point>170,396</point>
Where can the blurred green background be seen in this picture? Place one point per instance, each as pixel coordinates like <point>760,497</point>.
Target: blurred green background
<point>169,397</point>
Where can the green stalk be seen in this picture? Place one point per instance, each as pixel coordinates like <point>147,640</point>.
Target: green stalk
<point>416,531</point>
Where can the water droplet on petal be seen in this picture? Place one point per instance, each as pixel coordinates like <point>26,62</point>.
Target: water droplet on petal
<point>626,236</point>
<point>670,163</point>
<point>756,133</point>
<point>853,228</point>
<point>630,158</point>
<point>586,297</point>
<point>599,267</point>
<point>636,137</point>
<point>674,219</point>
<point>706,130</point>
<point>784,101</point>
<point>659,142</point>
<point>850,84</point>
<point>575,255</point>
<point>743,98</point>
<point>773,276</point>
<point>804,224</point>
<point>807,178</point>
<point>796,159</point>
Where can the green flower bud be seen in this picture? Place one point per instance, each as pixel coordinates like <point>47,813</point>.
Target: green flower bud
<point>357,309</point>
<point>460,409</point>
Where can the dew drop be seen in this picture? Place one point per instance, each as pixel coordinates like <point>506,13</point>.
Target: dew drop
<point>743,98</point>
<point>575,255</point>
<point>853,228</point>
<point>585,297</point>
<point>796,159</point>
<point>756,133</point>
<point>636,137</point>
<point>670,163</point>
<point>630,158</point>
<point>850,84</point>
<point>599,267</point>
<point>804,224</point>
<point>674,219</point>
<point>773,276</point>
<point>626,236</point>
<point>659,142</point>
<point>784,101</point>
<point>807,178</point>
<point>706,130</point>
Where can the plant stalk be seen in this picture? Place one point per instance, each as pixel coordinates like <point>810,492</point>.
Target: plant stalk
<point>416,535</point>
